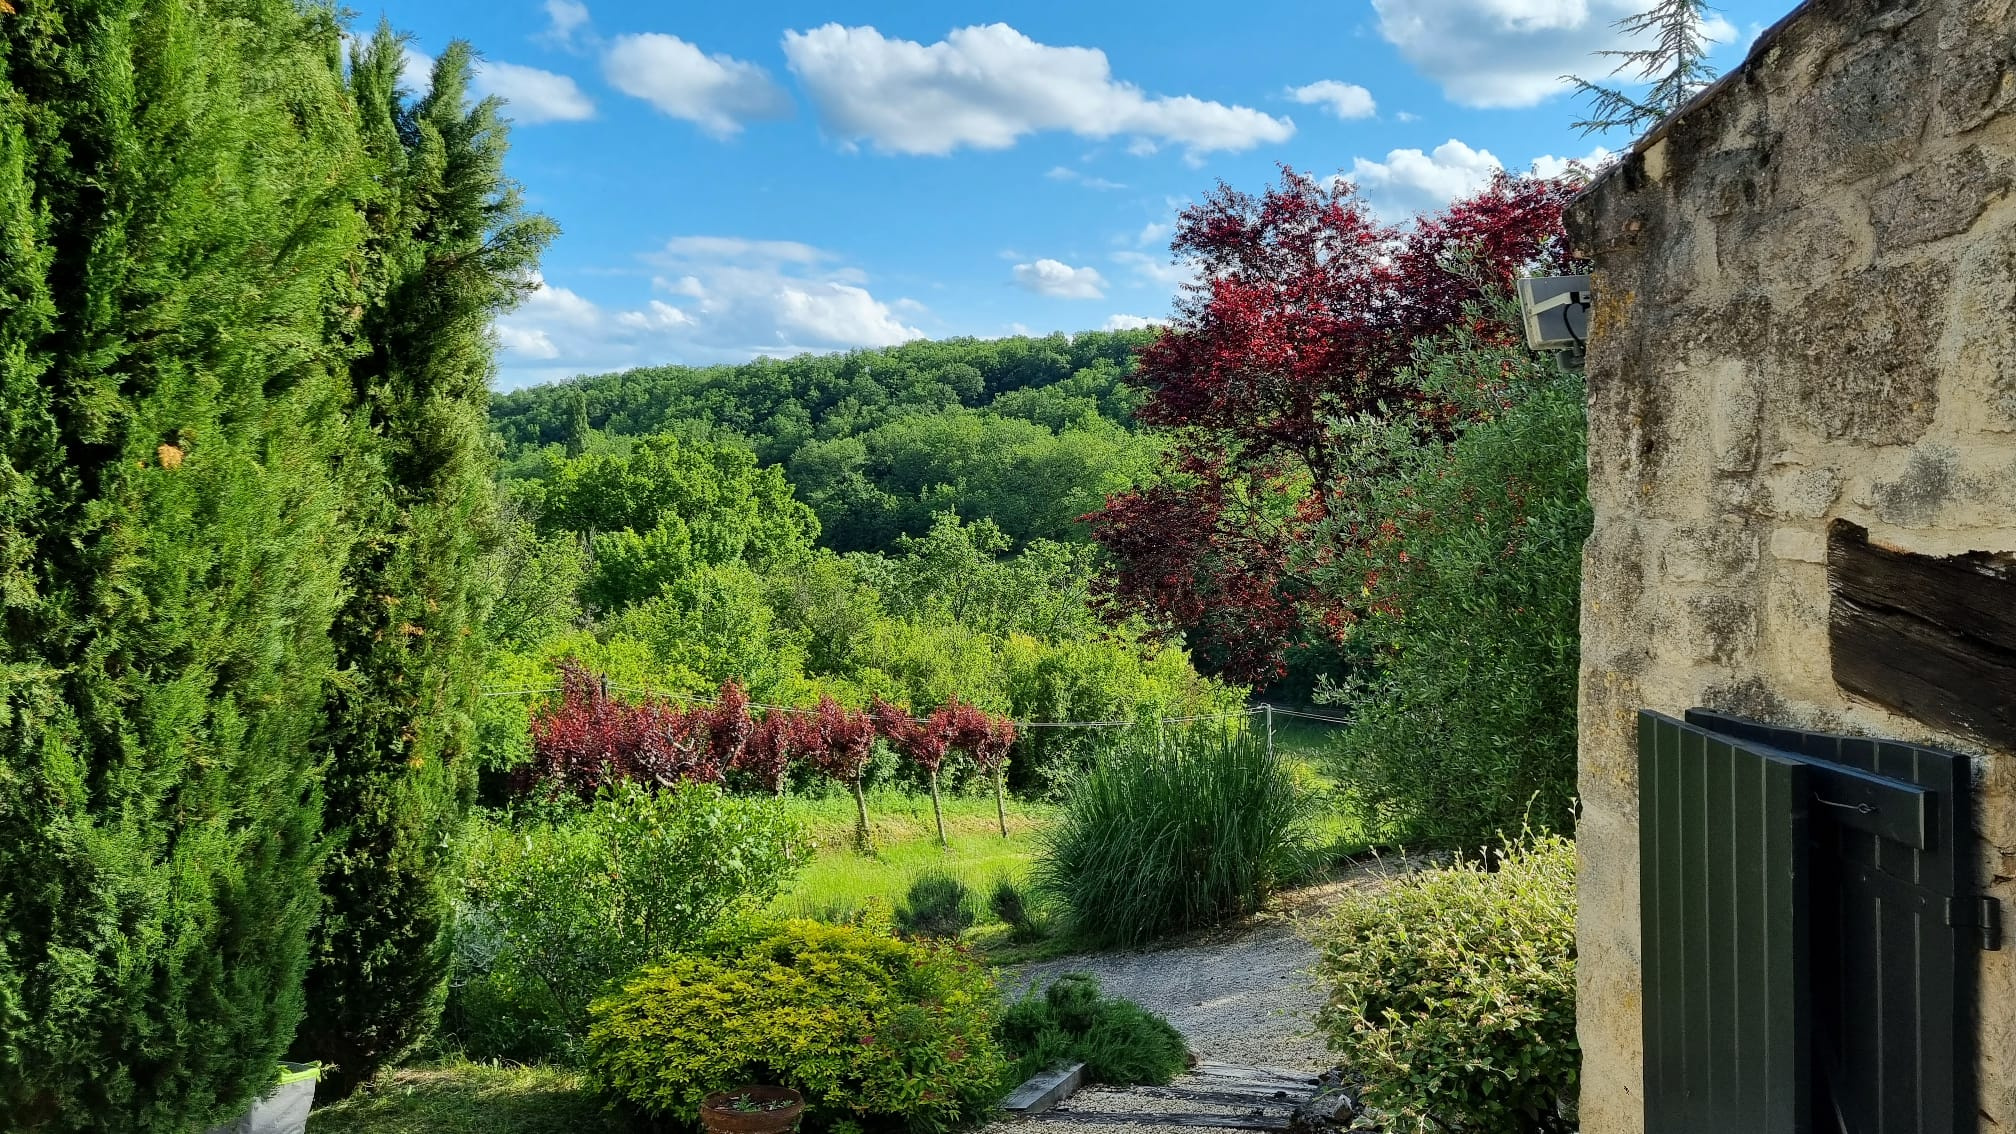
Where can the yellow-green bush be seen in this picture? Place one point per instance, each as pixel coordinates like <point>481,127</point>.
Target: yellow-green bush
<point>1453,992</point>
<point>876,1032</point>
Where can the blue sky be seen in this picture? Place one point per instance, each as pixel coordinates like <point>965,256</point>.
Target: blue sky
<point>741,179</point>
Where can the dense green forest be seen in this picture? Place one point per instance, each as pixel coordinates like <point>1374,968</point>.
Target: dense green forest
<point>1030,433</point>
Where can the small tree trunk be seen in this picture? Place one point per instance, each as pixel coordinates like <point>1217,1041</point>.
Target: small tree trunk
<point>937,813</point>
<point>860,819</point>
<point>1000,803</point>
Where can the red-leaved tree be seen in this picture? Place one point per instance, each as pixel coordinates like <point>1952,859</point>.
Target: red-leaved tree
<point>920,742</point>
<point>984,739</point>
<point>846,741</point>
<point>1304,317</point>
<point>766,754</point>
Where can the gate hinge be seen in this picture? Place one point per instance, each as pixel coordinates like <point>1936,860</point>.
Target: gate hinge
<point>1982,914</point>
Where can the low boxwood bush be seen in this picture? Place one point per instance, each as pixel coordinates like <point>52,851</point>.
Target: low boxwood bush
<point>1118,1041</point>
<point>1162,837</point>
<point>877,1032</point>
<point>938,905</point>
<point>557,909</point>
<point>1452,991</point>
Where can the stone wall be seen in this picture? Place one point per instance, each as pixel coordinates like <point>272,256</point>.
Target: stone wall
<point>1805,310</point>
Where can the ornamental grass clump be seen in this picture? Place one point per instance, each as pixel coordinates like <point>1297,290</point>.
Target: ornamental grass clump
<point>1453,992</point>
<point>874,1031</point>
<point>1164,837</point>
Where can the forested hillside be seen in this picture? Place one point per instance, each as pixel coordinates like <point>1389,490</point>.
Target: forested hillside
<point>1028,432</point>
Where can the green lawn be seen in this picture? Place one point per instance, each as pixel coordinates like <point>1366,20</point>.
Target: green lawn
<point>906,846</point>
<point>471,1098</point>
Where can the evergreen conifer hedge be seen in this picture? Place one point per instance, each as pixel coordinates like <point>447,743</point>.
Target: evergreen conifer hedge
<point>178,231</point>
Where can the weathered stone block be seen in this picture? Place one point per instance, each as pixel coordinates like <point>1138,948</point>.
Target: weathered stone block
<point>1852,356</point>
<point>1938,200</point>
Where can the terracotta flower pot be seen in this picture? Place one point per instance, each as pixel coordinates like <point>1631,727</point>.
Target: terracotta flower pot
<point>748,1110</point>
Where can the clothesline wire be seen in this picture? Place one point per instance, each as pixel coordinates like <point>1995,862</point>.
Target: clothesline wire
<point>649,692</point>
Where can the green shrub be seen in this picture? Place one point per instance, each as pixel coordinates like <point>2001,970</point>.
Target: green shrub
<point>1465,724</point>
<point>1118,1041</point>
<point>556,911</point>
<point>1453,991</point>
<point>1026,922</point>
<point>938,905</point>
<point>872,1029</point>
<point>1161,838</point>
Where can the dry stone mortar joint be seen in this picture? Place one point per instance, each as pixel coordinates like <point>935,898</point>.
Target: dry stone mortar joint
<point>1805,313</point>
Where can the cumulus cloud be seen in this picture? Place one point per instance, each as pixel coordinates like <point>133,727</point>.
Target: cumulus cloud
<point>533,95</point>
<point>1059,280</point>
<point>416,71</point>
<point>1119,322</point>
<point>1410,181</point>
<point>719,299</point>
<point>716,92</point>
<point>1547,165</point>
<point>986,86</point>
<point>563,19</point>
<point>1345,100</point>
<point>1504,53</point>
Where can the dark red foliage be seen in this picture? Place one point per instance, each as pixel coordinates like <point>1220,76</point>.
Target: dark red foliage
<point>964,726</point>
<point>588,739</point>
<point>766,754</point>
<point>729,726</point>
<point>846,741</point>
<point>1307,311</point>
<point>992,752</point>
<point>920,742</point>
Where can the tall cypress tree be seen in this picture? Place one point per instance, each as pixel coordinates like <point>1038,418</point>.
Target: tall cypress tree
<point>178,240</point>
<point>450,247</point>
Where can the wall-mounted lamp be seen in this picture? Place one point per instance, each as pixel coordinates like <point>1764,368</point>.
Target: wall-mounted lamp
<point>1556,313</point>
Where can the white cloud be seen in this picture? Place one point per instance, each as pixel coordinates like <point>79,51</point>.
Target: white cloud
<point>1157,271</point>
<point>416,71</point>
<point>1059,280</point>
<point>1130,323</point>
<point>1504,53</point>
<point>731,300</point>
<point>1154,232</point>
<point>1345,100</point>
<point>533,95</point>
<point>987,86</point>
<point>1066,173</point>
<point>563,19</point>
<point>1547,165</point>
<point>718,93</point>
<point>1407,116</point>
<point>1410,181</point>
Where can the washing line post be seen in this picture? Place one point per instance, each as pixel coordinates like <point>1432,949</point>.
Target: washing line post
<point>1270,731</point>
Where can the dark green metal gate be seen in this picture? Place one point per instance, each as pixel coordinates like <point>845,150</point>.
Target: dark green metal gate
<point>1808,931</point>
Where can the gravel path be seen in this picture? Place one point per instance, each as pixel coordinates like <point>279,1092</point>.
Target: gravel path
<point>1245,995</point>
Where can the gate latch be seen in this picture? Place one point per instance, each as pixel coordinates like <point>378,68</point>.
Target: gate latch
<point>1982,914</point>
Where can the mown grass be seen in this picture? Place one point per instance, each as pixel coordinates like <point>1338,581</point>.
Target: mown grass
<point>471,1098</point>
<point>905,839</point>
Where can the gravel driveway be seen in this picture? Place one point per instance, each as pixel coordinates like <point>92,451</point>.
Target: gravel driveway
<point>1245,996</point>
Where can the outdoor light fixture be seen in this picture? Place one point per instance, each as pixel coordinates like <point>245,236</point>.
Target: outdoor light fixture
<point>1556,313</point>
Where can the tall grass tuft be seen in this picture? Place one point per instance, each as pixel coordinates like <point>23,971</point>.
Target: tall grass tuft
<point>1166,836</point>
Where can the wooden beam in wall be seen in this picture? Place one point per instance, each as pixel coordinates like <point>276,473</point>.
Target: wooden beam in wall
<point>1931,637</point>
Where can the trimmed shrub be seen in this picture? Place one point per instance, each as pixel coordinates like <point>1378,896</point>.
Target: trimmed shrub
<point>1119,1041</point>
<point>557,911</point>
<point>1165,837</point>
<point>1453,991</point>
<point>873,1030</point>
<point>938,905</point>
